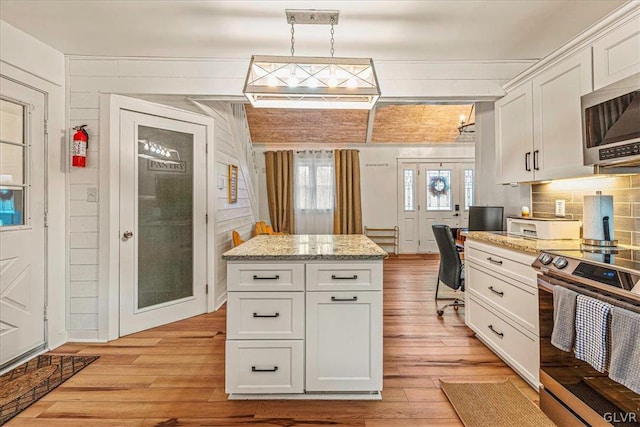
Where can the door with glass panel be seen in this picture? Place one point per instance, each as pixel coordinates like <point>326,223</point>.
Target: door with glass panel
<point>162,221</point>
<point>444,194</point>
<point>22,221</point>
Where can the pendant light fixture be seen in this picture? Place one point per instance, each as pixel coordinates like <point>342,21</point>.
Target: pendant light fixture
<point>311,82</point>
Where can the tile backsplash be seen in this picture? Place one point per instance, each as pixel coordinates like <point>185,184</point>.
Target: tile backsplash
<point>626,201</point>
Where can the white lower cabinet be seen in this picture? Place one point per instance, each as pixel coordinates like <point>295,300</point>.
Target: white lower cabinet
<point>262,366</point>
<point>343,341</point>
<point>281,315</point>
<point>501,305</point>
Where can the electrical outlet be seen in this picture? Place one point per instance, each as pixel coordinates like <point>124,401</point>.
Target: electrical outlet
<point>560,205</point>
<point>92,194</point>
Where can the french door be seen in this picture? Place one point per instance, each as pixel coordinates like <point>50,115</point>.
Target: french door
<point>432,193</point>
<point>162,220</point>
<point>22,222</point>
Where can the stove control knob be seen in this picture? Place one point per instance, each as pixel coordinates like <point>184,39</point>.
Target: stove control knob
<point>546,259</point>
<point>560,263</point>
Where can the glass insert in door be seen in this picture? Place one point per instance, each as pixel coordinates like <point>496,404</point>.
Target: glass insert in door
<point>439,190</point>
<point>13,150</point>
<point>165,216</point>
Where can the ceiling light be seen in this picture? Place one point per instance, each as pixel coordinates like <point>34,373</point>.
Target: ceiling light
<point>311,82</point>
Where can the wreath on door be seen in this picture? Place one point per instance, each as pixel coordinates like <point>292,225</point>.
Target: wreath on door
<point>438,186</point>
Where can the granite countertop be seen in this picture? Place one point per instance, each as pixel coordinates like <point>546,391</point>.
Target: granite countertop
<point>300,247</point>
<point>522,244</point>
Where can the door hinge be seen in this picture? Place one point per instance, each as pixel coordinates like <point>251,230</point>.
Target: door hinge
<point>418,172</point>
<point>418,242</point>
<point>206,148</point>
<point>46,127</point>
<point>206,289</point>
<point>206,218</point>
<point>45,313</point>
<point>46,219</point>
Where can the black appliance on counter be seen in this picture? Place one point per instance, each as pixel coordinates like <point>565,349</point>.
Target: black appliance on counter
<point>573,393</point>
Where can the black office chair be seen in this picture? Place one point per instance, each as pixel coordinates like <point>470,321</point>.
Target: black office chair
<point>451,271</point>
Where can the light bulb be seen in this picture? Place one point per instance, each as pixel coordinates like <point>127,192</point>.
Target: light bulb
<point>146,146</point>
<point>352,83</point>
<point>332,82</point>
<point>272,80</point>
<point>461,118</point>
<point>292,81</point>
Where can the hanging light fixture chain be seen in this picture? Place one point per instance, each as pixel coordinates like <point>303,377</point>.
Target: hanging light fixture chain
<point>332,32</point>
<point>293,39</point>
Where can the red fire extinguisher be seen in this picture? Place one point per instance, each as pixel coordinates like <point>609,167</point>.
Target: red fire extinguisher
<point>79,150</point>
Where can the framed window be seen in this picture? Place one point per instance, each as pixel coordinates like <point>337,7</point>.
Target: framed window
<point>314,184</point>
<point>13,158</point>
<point>468,188</point>
<point>409,190</point>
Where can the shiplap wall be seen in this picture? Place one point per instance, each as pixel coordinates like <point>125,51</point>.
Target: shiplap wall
<point>87,79</point>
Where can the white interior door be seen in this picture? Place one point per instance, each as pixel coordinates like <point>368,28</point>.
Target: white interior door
<point>445,192</point>
<point>22,221</point>
<point>162,220</point>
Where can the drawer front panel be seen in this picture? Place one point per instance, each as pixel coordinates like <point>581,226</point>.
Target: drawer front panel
<point>515,347</point>
<point>265,277</point>
<point>265,315</point>
<point>344,277</point>
<point>520,302</point>
<point>256,367</point>
<point>509,263</point>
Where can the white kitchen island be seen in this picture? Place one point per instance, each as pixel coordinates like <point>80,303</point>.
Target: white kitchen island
<point>304,318</point>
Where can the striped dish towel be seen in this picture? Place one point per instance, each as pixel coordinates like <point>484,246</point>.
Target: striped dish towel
<point>592,332</point>
<point>625,348</point>
<point>564,318</point>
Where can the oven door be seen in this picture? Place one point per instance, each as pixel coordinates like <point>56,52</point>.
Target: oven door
<point>572,391</point>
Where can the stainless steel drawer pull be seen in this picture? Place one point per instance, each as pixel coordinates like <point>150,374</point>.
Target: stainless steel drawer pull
<point>334,277</point>
<point>266,315</point>
<point>496,292</point>
<point>494,261</point>
<point>500,334</point>
<point>254,369</point>
<point>344,299</point>
<point>276,277</point>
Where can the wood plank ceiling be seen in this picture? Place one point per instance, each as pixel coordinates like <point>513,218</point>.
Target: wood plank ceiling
<point>391,124</point>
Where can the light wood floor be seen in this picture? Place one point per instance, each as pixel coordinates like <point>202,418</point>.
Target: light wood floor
<point>174,375</point>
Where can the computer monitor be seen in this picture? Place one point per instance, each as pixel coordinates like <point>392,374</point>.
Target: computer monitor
<point>485,218</point>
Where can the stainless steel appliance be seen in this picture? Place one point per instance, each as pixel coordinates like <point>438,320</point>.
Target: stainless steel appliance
<point>573,393</point>
<point>611,124</point>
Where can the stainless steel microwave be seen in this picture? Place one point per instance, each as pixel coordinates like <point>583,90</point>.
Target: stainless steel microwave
<point>611,124</point>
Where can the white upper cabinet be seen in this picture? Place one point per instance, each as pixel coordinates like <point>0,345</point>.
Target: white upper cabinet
<point>617,54</point>
<point>514,135</point>
<point>557,118</point>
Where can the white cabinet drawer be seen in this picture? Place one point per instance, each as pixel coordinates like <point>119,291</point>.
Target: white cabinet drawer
<point>265,277</point>
<point>265,315</point>
<point>517,348</point>
<point>519,301</point>
<point>264,367</point>
<point>510,263</point>
<point>343,277</point>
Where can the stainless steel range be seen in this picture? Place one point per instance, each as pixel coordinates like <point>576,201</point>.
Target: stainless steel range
<point>574,393</point>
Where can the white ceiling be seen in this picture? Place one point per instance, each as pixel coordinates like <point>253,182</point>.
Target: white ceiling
<point>384,30</point>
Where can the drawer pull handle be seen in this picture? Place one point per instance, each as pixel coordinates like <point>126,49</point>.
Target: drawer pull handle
<point>494,261</point>
<point>266,315</point>
<point>496,292</point>
<point>334,277</point>
<point>254,369</point>
<point>276,277</point>
<point>344,299</point>
<point>500,334</point>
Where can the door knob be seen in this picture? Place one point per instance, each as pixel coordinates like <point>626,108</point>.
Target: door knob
<point>127,234</point>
